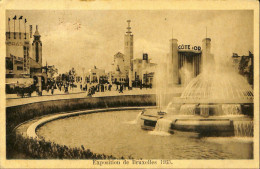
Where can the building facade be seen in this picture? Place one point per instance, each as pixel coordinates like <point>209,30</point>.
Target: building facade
<point>119,74</point>
<point>24,59</point>
<point>17,53</point>
<point>143,71</point>
<point>123,63</point>
<point>128,49</point>
<point>244,65</point>
<point>185,62</point>
<point>96,75</point>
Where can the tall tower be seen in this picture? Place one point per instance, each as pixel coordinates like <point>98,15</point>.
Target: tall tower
<point>128,50</point>
<point>173,70</point>
<point>26,57</point>
<point>207,57</point>
<point>37,47</point>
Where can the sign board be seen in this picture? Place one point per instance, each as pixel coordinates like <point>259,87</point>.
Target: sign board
<point>189,47</point>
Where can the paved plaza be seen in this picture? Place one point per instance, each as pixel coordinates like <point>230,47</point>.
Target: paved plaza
<point>14,100</point>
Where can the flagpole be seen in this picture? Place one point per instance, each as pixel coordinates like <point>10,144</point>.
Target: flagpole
<point>19,30</point>
<point>206,33</point>
<point>14,28</point>
<point>25,28</point>
<point>9,27</point>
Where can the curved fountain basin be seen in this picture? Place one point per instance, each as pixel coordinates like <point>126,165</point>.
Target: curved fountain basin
<point>211,126</point>
<point>194,125</point>
<point>89,128</point>
<point>206,127</point>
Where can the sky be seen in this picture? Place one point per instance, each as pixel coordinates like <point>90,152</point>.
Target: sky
<point>84,38</point>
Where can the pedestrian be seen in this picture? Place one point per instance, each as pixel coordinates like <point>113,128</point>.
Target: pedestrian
<point>121,88</point>
<point>52,89</point>
<point>109,87</point>
<point>102,87</point>
<point>48,87</point>
<point>67,89</point>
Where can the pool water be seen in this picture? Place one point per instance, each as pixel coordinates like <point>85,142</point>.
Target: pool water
<point>114,133</point>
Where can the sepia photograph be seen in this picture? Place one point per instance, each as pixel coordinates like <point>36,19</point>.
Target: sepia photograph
<point>131,88</point>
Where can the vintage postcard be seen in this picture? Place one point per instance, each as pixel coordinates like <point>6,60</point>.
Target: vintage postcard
<point>129,84</point>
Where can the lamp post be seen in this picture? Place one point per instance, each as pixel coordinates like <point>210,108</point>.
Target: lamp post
<point>83,77</point>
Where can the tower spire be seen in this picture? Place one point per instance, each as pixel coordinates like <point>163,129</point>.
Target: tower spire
<point>172,33</point>
<point>36,31</point>
<point>206,33</point>
<point>129,27</point>
<point>206,37</point>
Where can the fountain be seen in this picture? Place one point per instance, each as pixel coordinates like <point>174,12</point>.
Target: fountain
<point>162,127</point>
<point>211,104</point>
<point>216,102</point>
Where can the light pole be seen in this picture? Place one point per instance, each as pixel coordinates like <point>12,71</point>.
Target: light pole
<point>83,77</point>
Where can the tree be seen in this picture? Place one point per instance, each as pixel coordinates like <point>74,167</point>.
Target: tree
<point>72,75</point>
<point>246,68</point>
<point>243,65</point>
<point>65,77</point>
<point>52,71</point>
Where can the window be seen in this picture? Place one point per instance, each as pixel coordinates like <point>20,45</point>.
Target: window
<point>37,53</point>
<point>9,63</point>
<point>19,68</point>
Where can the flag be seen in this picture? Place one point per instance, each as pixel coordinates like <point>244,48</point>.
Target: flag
<point>14,17</point>
<point>21,17</point>
<point>25,20</point>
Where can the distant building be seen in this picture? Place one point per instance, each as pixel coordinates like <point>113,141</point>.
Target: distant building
<point>244,65</point>
<point>185,61</point>
<point>17,55</point>
<point>24,59</point>
<point>137,64</point>
<point>119,73</point>
<point>96,75</point>
<point>123,63</point>
<point>143,71</point>
<point>236,60</point>
<point>128,49</point>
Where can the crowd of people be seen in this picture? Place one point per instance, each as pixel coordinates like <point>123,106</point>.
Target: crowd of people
<point>92,88</point>
<point>61,86</point>
<point>67,87</point>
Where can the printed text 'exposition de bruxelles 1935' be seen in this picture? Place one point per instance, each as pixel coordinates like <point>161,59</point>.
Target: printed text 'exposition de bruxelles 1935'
<point>132,162</point>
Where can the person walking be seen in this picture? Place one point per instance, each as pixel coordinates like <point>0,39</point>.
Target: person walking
<point>52,89</point>
<point>48,88</point>
<point>86,87</point>
<point>121,88</point>
<point>102,87</point>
